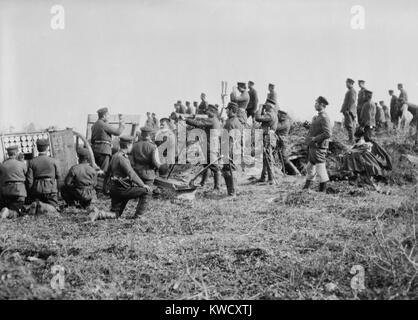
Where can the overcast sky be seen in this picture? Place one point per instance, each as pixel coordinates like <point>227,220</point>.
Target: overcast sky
<point>139,56</point>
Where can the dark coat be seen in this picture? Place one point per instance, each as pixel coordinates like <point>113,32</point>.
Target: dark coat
<point>349,104</point>
<point>394,110</point>
<point>268,120</point>
<point>143,158</point>
<point>318,138</point>
<point>120,168</point>
<point>43,174</point>
<point>12,178</point>
<point>253,103</point>
<point>368,114</point>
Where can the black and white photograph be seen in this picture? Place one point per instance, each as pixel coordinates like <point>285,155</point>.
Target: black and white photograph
<point>210,155</point>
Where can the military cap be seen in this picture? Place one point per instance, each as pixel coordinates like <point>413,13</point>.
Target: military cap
<point>322,100</point>
<point>126,139</point>
<point>251,82</point>
<point>187,102</point>
<point>242,85</point>
<point>400,84</point>
<point>349,80</point>
<point>12,148</point>
<point>178,101</point>
<point>42,142</point>
<point>271,101</point>
<point>164,119</point>
<point>102,110</point>
<point>391,91</point>
<point>231,105</point>
<point>195,103</point>
<point>83,153</point>
<point>368,92</point>
<point>361,81</point>
<point>213,108</point>
<point>147,129</point>
<point>268,106</point>
<point>271,85</point>
<point>282,112</point>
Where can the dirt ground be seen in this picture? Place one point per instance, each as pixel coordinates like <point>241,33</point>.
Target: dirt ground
<point>270,242</point>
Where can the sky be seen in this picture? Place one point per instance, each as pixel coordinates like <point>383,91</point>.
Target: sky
<point>139,56</point>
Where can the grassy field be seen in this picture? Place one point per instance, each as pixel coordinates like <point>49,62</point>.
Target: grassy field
<point>270,242</point>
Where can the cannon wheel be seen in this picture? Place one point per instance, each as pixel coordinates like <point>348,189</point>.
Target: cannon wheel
<point>86,145</point>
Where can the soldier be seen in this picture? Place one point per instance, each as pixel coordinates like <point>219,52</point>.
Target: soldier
<point>253,103</point>
<point>146,157</point>
<point>318,141</point>
<point>195,107</point>
<point>380,117</point>
<point>283,127</point>
<point>232,123</point>
<point>189,108</point>
<point>241,97</point>
<point>125,183</point>
<point>386,113</point>
<point>182,109</point>
<point>272,95</point>
<point>43,176</point>
<point>403,95</point>
<point>361,98</point>
<point>12,177</point>
<point>149,121</point>
<point>101,138</point>
<point>80,182</point>
<point>212,122</point>
<point>155,122</point>
<point>268,118</point>
<point>348,109</point>
<point>367,119</point>
<point>394,111</point>
<point>203,106</point>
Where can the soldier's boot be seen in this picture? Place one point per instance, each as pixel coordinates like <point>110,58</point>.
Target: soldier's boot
<point>204,178</point>
<point>307,184</point>
<point>323,187</point>
<point>142,205</point>
<point>216,176</point>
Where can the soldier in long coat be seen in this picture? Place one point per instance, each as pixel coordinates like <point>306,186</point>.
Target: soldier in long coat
<point>349,110</point>
<point>318,143</point>
<point>367,119</point>
<point>253,102</point>
<point>394,110</point>
<point>361,98</point>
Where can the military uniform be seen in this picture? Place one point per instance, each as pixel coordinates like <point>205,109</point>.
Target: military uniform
<point>80,182</point>
<point>403,95</point>
<point>349,111</point>
<point>268,123</point>
<point>368,118</point>
<point>101,140</point>
<point>202,108</point>
<point>253,102</point>
<point>318,143</point>
<point>42,178</point>
<point>283,127</point>
<point>125,184</point>
<point>242,101</point>
<point>207,125</point>
<point>232,123</point>
<point>394,110</point>
<point>380,117</point>
<point>12,180</point>
<point>361,99</point>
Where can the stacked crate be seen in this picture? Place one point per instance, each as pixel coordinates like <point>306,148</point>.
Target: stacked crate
<point>25,141</point>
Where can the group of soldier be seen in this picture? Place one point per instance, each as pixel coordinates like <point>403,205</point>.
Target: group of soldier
<point>129,172</point>
<point>360,111</point>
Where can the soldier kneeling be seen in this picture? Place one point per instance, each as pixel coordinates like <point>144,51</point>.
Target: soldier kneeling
<point>80,182</point>
<point>13,175</point>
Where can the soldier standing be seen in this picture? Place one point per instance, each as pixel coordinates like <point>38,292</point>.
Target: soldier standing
<point>212,122</point>
<point>101,138</point>
<point>80,182</point>
<point>125,183</point>
<point>348,109</point>
<point>241,97</point>
<point>43,176</point>
<point>361,98</point>
<point>253,103</point>
<point>403,95</point>
<point>203,106</point>
<point>146,157</point>
<point>386,113</point>
<point>283,127</point>
<point>394,111</point>
<point>12,177</point>
<point>189,108</point>
<point>268,118</point>
<point>232,123</point>
<point>368,116</point>
<point>272,94</point>
<point>318,141</point>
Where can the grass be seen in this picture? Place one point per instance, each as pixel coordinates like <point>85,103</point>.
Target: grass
<point>271,242</point>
